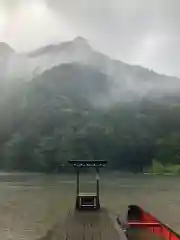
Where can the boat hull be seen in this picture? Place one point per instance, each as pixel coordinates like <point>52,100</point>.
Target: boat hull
<point>139,219</point>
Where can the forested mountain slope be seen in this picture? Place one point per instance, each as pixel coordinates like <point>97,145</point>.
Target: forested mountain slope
<point>86,107</point>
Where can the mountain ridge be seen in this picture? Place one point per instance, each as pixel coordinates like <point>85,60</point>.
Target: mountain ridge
<point>5,49</point>
<point>54,47</point>
<point>123,77</point>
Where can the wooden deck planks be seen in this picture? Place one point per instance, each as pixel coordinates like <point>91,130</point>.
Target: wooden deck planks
<point>86,226</point>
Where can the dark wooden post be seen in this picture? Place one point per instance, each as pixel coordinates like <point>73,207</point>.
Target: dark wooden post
<point>97,188</point>
<point>97,182</point>
<point>77,182</point>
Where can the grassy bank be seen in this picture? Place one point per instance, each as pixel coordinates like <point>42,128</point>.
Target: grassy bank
<point>160,169</point>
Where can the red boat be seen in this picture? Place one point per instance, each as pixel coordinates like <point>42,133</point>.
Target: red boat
<point>142,225</point>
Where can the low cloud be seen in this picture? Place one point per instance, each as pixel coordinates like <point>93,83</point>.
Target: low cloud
<point>137,32</point>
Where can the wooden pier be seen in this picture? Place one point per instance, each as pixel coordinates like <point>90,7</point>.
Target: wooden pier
<point>86,225</point>
<point>88,220</point>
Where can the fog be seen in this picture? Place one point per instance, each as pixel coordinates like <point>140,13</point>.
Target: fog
<point>138,32</point>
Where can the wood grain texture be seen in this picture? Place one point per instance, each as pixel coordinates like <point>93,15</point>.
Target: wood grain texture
<point>92,225</point>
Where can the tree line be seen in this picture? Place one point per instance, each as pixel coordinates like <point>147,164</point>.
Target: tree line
<point>41,128</point>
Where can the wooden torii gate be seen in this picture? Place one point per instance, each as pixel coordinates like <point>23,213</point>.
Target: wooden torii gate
<point>87,201</point>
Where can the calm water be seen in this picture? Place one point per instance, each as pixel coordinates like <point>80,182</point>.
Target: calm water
<point>30,204</point>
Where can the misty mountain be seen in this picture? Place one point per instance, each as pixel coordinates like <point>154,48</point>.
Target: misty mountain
<point>50,111</point>
<point>74,81</point>
<point>126,82</point>
<point>5,50</point>
<point>6,53</point>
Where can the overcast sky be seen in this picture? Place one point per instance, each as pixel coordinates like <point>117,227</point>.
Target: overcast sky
<point>140,32</point>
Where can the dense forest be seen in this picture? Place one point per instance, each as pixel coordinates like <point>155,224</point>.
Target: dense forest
<point>47,121</point>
